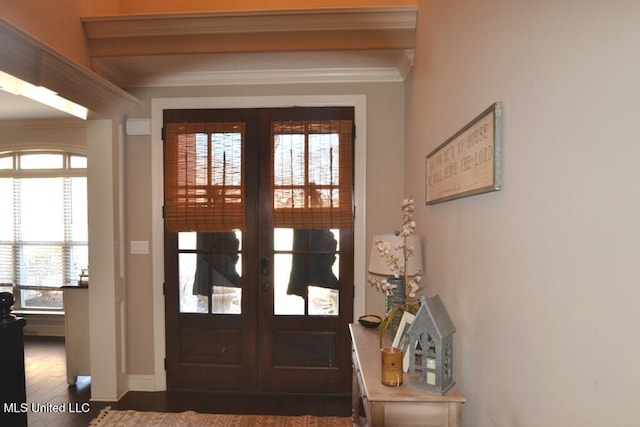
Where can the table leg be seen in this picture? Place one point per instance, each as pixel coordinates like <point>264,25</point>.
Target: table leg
<point>355,399</point>
<point>455,414</point>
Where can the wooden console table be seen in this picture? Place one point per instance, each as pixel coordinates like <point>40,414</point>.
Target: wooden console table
<point>395,406</point>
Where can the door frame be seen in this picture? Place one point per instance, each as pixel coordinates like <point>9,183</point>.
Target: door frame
<point>158,105</point>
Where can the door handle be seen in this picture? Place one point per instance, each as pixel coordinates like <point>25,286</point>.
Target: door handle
<point>265,287</point>
<point>264,266</point>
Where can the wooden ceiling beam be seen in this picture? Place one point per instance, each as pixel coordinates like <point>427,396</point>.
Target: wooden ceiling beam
<point>332,29</point>
<point>32,61</point>
<point>248,43</point>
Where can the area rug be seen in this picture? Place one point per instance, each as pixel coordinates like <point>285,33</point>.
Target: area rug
<point>112,418</point>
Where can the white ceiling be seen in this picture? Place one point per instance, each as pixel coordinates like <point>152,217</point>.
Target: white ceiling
<point>14,107</point>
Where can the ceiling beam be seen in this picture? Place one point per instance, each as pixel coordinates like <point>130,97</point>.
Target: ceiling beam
<point>308,30</point>
<point>252,42</point>
<point>32,61</point>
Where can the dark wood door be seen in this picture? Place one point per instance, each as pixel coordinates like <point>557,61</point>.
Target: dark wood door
<point>265,308</point>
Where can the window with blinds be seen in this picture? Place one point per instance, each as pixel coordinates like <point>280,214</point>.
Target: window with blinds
<point>312,175</point>
<point>204,187</point>
<point>43,225</point>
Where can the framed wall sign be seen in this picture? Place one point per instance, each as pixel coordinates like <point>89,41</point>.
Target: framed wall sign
<point>468,163</point>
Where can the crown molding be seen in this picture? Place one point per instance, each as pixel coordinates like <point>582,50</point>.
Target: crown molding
<point>257,77</point>
<point>253,71</point>
<point>406,63</point>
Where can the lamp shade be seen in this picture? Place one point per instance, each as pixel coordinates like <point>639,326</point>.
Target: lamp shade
<point>378,263</point>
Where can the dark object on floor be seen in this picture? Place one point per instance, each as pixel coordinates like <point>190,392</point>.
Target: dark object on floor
<point>13,392</point>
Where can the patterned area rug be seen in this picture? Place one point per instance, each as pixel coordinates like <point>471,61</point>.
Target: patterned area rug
<point>113,418</point>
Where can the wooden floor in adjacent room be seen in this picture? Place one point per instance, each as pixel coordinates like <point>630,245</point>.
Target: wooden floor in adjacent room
<point>46,378</point>
<point>47,384</point>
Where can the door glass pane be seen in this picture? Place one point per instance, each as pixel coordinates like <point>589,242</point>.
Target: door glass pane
<point>325,301</point>
<point>226,300</point>
<point>289,161</point>
<point>187,240</point>
<point>210,264</point>
<point>189,303</point>
<point>283,239</point>
<point>306,272</point>
<point>324,164</point>
<point>283,303</point>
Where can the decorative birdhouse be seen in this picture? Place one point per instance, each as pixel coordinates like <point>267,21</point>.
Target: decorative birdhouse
<point>431,347</point>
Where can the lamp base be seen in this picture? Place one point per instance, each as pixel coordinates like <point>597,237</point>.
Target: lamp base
<point>396,299</point>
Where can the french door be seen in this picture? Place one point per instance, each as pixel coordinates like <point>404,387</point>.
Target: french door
<point>259,265</point>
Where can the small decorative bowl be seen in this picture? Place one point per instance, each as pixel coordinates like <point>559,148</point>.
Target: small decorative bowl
<point>370,321</point>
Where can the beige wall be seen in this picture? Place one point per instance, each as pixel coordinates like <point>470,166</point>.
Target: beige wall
<point>541,278</point>
<point>55,24</point>
<point>62,134</point>
<point>384,160</point>
<point>139,289</point>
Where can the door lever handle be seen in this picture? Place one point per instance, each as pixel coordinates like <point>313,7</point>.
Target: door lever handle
<point>264,266</point>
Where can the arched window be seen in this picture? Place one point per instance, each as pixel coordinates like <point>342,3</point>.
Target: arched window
<point>43,225</point>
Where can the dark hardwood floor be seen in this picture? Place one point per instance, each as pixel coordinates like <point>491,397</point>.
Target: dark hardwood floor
<point>46,378</point>
<point>46,384</point>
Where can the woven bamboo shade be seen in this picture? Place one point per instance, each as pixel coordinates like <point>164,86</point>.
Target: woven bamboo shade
<point>312,174</point>
<point>204,186</point>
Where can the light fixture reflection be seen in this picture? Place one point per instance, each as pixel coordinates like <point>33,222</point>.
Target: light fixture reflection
<point>41,94</point>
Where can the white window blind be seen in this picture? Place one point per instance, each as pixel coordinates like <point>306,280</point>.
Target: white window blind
<point>43,225</point>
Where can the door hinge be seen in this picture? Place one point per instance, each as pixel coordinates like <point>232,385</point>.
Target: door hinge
<point>165,363</point>
<point>164,288</point>
<point>162,135</point>
<point>163,211</point>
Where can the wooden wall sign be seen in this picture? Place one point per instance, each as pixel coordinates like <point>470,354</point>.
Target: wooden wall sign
<point>468,163</point>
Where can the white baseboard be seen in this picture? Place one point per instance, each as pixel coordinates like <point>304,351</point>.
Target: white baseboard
<point>48,325</point>
<point>142,383</point>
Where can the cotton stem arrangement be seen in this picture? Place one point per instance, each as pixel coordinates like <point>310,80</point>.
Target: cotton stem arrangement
<point>398,265</point>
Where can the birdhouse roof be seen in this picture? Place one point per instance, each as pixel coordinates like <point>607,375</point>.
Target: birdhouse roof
<point>434,309</point>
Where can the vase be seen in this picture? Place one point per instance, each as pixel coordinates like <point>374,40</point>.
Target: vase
<point>391,363</point>
<point>396,299</point>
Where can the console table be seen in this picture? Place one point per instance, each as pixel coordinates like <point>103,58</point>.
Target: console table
<point>395,406</point>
